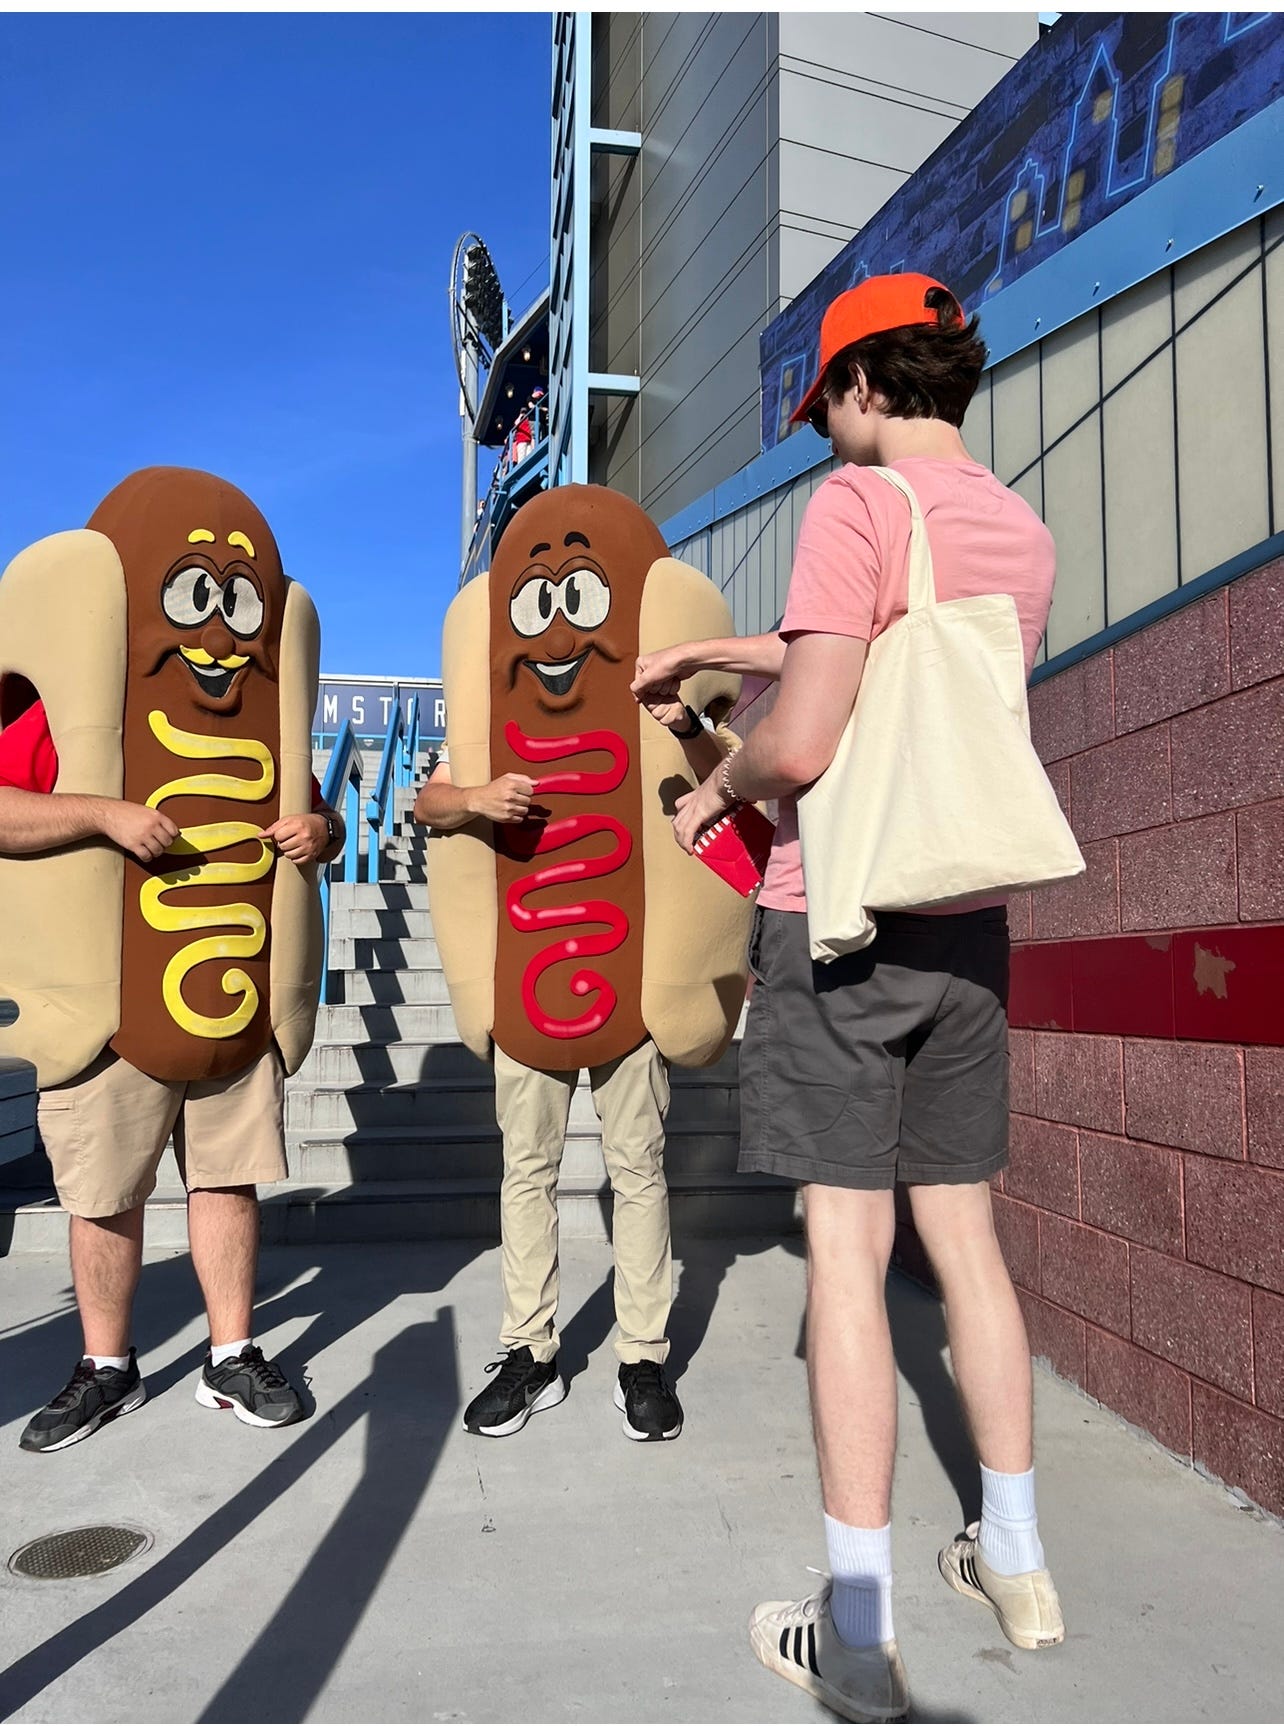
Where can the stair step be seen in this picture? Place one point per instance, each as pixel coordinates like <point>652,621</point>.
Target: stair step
<point>372,1023</point>
<point>368,1060</point>
<point>380,1103</point>
<point>460,1152</point>
<point>364,953</point>
<point>377,896</point>
<point>309,1212</point>
<point>387,988</point>
<point>348,923</point>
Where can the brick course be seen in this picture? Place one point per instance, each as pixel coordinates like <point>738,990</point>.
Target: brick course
<point>1079,1080</point>
<point>1193,1318</point>
<point>1185,1094</point>
<point>1132,1190</point>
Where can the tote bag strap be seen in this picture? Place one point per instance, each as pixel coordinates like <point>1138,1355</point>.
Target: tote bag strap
<point>922,582</point>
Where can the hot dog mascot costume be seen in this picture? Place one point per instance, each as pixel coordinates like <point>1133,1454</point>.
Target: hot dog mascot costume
<point>161,657</point>
<point>583,937</point>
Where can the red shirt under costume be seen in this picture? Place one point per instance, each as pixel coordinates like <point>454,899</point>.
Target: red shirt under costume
<point>29,761</point>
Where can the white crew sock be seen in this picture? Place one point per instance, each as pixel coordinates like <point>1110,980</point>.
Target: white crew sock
<point>227,1351</point>
<point>1009,1534</point>
<point>99,1361</point>
<point>860,1561</point>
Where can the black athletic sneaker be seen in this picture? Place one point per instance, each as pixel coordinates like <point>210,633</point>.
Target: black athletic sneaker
<point>256,1389</point>
<point>522,1386</point>
<point>645,1397</point>
<point>88,1400</point>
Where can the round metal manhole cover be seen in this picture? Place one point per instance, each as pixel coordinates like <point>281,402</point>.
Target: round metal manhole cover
<point>79,1552</point>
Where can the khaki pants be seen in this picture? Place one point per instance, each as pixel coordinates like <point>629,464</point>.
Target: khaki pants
<point>631,1097</point>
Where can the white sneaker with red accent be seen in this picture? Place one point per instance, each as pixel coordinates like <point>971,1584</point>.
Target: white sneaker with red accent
<point>798,1641</point>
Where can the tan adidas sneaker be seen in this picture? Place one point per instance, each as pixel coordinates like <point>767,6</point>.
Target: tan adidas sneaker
<point>1026,1606</point>
<point>797,1640</point>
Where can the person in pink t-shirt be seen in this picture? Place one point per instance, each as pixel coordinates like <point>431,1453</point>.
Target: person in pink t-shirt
<point>891,1063</point>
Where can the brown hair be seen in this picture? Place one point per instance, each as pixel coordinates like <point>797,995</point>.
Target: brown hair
<point>922,371</point>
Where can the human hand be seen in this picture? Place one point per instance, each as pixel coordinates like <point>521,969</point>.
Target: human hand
<point>506,800</point>
<point>660,673</point>
<point>665,710</point>
<point>697,810</point>
<point>301,838</point>
<point>145,833</point>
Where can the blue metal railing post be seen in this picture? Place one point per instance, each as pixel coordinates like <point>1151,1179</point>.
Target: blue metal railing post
<point>342,778</point>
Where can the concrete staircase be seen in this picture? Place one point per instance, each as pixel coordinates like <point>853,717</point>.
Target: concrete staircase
<point>390,1123</point>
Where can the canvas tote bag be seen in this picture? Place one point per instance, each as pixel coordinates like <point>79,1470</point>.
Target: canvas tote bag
<point>935,792</point>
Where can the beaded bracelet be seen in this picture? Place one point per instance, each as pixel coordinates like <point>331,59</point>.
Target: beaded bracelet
<point>727,789</point>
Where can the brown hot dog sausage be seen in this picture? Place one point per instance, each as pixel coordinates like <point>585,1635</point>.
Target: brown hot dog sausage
<point>201,741</point>
<point>565,600</point>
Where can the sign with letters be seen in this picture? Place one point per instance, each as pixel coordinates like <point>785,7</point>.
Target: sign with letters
<point>368,703</point>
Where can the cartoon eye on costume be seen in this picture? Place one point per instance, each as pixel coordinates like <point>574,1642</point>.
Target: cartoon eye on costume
<point>585,598</point>
<point>189,597</point>
<point>532,606</point>
<point>242,606</point>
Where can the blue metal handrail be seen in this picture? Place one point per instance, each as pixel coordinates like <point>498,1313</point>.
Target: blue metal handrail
<point>396,769</point>
<point>343,779</point>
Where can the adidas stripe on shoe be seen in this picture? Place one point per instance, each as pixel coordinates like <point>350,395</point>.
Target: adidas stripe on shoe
<point>798,1642</point>
<point>1026,1606</point>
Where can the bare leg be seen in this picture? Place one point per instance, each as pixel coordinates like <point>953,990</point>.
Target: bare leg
<point>850,1366</point>
<point>988,1344</point>
<point>106,1256</point>
<point>223,1228</point>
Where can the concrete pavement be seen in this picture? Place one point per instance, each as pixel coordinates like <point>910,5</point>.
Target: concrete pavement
<point>375,1563</point>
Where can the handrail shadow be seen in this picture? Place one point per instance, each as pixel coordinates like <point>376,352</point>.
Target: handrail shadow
<point>283,1672</point>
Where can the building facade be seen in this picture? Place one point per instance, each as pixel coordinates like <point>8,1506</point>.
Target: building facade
<point>706,166</point>
<point>1129,280</point>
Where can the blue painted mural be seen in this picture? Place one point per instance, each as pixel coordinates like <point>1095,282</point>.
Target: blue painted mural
<point>1103,105</point>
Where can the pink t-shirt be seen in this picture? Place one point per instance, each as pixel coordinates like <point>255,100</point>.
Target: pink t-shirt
<point>851,577</point>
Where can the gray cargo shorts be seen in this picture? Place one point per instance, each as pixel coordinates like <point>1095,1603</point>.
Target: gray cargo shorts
<point>886,1065</point>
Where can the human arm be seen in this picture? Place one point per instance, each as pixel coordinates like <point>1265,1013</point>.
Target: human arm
<point>796,741</point>
<point>34,821</point>
<point>661,672</point>
<point>446,806</point>
<point>827,627</point>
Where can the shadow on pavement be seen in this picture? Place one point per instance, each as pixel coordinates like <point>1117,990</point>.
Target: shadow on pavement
<point>281,1675</point>
<point>917,1321</point>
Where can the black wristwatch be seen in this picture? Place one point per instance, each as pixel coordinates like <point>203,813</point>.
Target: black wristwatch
<point>695,725</point>
<point>331,826</point>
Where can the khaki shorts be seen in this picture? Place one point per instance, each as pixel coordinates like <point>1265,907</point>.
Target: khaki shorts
<point>106,1131</point>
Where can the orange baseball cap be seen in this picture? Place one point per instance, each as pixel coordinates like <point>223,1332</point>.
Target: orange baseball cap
<point>877,304</point>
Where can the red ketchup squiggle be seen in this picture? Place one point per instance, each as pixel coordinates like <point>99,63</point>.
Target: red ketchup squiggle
<point>555,836</point>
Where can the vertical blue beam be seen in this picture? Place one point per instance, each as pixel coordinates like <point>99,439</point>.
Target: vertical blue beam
<point>580,261</point>
<point>352,824</point>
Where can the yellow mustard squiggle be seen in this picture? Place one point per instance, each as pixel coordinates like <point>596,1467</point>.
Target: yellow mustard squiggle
<point>201,840</point>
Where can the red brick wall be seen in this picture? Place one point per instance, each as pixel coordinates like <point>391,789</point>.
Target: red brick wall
<point>1143,1211</point>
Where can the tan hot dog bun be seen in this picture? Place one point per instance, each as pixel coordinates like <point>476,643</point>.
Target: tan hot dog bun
<point>195,695</point>
<point>537,662</point>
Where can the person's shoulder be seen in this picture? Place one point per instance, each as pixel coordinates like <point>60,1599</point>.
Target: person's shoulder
<point>849,496</point>
<point>1019,511</point>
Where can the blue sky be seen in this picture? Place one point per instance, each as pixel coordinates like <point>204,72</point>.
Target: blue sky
<point>227,242</point>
